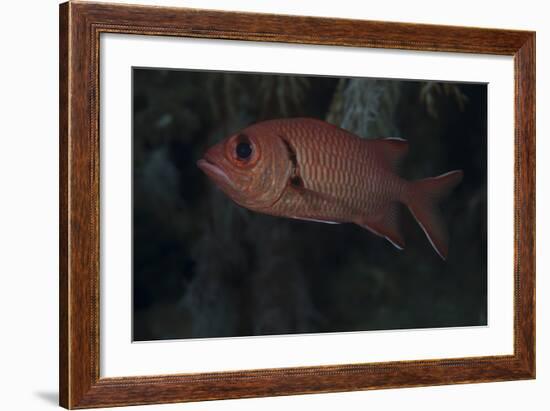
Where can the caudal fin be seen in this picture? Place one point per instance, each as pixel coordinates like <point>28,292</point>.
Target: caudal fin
<point>422,198</point>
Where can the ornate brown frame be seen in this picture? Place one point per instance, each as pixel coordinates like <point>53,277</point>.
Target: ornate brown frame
<point>81,24</point>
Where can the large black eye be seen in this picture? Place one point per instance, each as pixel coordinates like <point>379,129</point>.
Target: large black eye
<point>244,150</point>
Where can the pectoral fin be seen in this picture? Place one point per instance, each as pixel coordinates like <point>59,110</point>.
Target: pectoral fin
<point>311,203</point>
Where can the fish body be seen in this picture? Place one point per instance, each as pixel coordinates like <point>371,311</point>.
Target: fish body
<point>311,170</point>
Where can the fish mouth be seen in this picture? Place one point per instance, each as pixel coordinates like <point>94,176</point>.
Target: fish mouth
<point>213,171</point>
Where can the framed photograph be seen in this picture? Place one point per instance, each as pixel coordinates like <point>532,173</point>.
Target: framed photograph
<point>258,205</point>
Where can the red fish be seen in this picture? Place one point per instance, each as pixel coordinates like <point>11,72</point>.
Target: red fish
<point>311,170</point>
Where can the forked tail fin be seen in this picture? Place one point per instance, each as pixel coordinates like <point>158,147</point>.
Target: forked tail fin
<point>422,198</point>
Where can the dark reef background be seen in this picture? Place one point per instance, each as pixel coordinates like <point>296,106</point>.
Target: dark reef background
<point>204,267</point>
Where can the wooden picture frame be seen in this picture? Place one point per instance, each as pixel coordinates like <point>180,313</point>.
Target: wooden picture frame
<point>80,27</point>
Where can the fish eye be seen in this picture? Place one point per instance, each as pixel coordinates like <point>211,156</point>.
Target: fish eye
<point>243,150</point>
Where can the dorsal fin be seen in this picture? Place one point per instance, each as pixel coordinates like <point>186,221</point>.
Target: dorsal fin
<point>391,150</point>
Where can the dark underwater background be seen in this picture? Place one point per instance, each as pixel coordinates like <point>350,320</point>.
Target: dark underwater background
<point>205,267</point>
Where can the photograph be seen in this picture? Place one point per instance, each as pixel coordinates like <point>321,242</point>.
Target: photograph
<point>278,203</point>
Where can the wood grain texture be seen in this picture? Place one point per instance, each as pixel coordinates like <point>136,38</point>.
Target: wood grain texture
<point>63,205</point>
<point>524,203</point>
<point>80,27</point>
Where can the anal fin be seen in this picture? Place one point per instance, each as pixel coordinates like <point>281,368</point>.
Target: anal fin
<point>385,224</point>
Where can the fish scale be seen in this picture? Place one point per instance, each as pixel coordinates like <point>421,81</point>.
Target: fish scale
<point>321,154</point>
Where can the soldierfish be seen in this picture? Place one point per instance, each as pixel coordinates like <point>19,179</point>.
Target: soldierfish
<point>311,170</point>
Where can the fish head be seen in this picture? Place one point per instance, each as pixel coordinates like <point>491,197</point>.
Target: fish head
<point>252,167</point>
